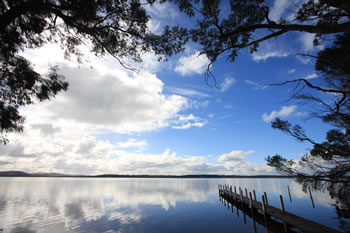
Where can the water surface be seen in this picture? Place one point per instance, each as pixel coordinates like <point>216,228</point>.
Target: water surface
<point>146,205</point>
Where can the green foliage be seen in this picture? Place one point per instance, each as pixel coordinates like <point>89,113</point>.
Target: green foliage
<point>118,28</point>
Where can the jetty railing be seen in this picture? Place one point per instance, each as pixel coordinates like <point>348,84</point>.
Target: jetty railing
<point>262,212</point>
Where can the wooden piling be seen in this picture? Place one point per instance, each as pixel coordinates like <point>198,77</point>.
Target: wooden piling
<point>282,208</point>
<point>250,200</point>
<point>312,200</point>
<point>252,211</point>
<point>266,201</point>
<point>290,197</point>
<point>241,194</point>
<point>254,195</point>
<point>236,199</point>
<point>263,204</point>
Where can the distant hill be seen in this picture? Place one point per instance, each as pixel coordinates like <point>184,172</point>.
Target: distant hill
<point>14,173</point>
<point>24,174</point>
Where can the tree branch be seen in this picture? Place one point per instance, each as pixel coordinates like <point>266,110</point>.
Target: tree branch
<point>345,92</point>
<point>321,29</point>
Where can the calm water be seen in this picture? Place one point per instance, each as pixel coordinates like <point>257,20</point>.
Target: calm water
<point>142,205</point>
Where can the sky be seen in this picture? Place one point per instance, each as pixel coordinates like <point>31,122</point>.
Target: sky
<point>165,118</point>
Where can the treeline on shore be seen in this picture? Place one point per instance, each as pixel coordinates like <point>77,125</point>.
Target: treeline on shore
<point>25,174</point>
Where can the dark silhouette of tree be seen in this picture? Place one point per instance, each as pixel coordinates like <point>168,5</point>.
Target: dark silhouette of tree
<point>329,160</point>
<point>248,23</point>
<point>327,165</point>
<point>118,28</point>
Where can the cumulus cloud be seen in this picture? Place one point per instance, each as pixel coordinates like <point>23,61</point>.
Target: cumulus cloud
<point>236,156</point>
<point>192,64</point>
<point>64,152</point>
<point>236,161</point>
<point>227,83</point>
<point>186,122</point>
<point>119,102</point>
<point>285,111</point>
<point>46,129</point>
<point>68,134</point>
<point>132,142</point>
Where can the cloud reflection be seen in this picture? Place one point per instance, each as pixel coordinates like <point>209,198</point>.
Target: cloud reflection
<point>77,204</point>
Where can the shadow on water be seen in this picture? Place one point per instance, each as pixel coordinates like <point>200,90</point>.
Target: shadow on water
<point>339,192</point>
<point>271,225</point>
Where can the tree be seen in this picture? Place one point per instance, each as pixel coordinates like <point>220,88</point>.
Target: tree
<point>249,23</point>
<point>118,28</point>
<point>329,160</point>
<point>327,165</point>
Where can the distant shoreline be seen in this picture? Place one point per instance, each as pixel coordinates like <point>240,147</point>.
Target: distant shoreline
<point>24,174</point>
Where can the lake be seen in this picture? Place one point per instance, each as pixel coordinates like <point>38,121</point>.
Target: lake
<point>33,205</point>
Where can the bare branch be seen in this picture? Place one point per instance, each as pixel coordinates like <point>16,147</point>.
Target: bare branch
<point>312,86</point>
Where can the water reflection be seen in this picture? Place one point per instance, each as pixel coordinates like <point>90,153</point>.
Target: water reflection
<point>133,205</point>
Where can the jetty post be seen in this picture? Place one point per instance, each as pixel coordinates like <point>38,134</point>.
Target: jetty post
<point>312,200</point>
<point>266,201</point>
<point>282,208</point>
<point>290,197</point>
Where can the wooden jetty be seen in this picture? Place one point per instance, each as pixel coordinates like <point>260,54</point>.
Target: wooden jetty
<point>272,226</point>
<point>262,213</point>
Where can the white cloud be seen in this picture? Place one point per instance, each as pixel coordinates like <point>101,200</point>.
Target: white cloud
<point>162,10</point>
<point>307,40</point>
<point>264,55</point>
<point>277,48</point>
<point>291,71</point>
<point>132,143</point>
<point>236,162</point>
<point>256,85</point>
<point>120,102</point>
<point>187,92</point>
<point>235,156</point>
<point>227,83</point>
<point>279,7</point>
<point>189,121</point>
<point>311,76</point>
<point>90,155</point>
<point>284,112</point>
<point>192,64</point>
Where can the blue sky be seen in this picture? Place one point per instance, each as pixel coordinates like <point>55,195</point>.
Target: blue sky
<point>165,119</point>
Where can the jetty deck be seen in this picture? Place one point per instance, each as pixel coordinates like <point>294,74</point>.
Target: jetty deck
<point>288,219</point>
